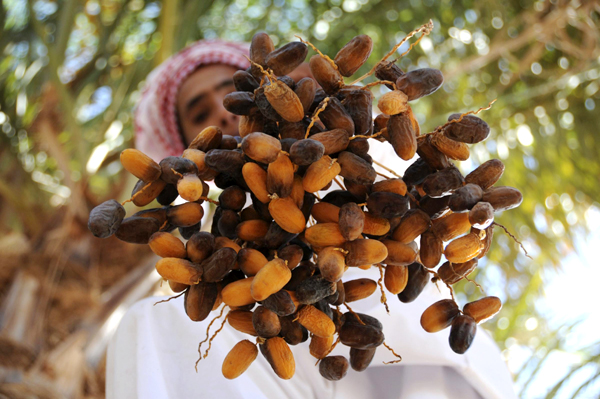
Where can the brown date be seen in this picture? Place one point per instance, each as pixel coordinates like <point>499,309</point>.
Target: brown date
<point>335,116</point>
<point>280,176</point>
<point>105,219</point>
<point>470,129</point>
<point>452,273</point>
<point>486,174</point>
<point>334,141</point>
<point>306,88</point>
<point>208,139</point>
<point>265,322</point>
<point>503,198</point>
<point>200,246</point>
<point>137,230</point>
<point>325,74</point>
<point>333,368</point>
<point>216,266</point>
<point>199,300</point>
<point>443,182</point>
<point>239,102</point>
<point>402,135</point>
<point>244,81</point>
<point>420,82</point>
<point>361,358</point>
<point>387,205</point>
<point>465,198</point>
<point>462,333</point>
<point>417,280</point>
<point>483,309</point>
<point>260,47</point>
<point>439,315</point>
<point>306,152</point>
<point>432,248</point>
<point>353,55</point>
<point>359,105</point>
<point>351,220</point>
<point>281,303</point>
<point>481,215</point>
<point>287,58</point>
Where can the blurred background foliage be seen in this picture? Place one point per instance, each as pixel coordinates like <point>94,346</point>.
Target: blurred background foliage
<point>71,72</point>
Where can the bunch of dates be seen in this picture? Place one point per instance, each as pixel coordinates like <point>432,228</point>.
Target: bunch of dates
<point>277,249</point>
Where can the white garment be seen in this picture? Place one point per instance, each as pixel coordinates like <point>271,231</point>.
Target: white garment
<point>153,352</point>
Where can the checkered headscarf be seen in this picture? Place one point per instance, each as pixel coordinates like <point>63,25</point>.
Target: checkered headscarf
<point>155,118</point>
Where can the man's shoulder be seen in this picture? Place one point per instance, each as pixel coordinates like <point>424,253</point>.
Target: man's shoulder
<point>156,307</point>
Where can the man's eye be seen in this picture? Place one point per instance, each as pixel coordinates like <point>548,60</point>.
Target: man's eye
<point>201,117</point>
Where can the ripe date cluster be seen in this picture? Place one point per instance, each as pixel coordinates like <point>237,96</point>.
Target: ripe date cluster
<point>278,262</point>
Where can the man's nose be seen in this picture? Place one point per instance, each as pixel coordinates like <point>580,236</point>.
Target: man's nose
<point>226,120</point>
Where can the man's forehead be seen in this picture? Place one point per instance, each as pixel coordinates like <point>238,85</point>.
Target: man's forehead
<point>205,79</point>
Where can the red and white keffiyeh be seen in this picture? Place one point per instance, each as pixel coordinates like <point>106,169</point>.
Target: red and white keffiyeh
<point>157,132</point>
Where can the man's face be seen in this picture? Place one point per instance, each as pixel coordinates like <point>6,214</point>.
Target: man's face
<point>200,101</point>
